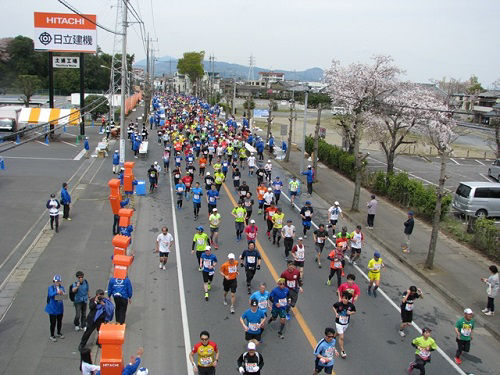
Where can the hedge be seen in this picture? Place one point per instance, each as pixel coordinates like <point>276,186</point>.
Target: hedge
<point>486,237</point>
<point>399,187</point>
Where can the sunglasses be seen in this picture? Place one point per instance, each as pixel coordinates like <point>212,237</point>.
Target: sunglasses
<point>330,337</point>
<point>204,338</point>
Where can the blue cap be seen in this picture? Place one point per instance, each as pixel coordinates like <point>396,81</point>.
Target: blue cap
<point>200,228</point>
<point>57,277</point>
<point>410,213</point>
<point>308,202</point>
<point>376,254</point>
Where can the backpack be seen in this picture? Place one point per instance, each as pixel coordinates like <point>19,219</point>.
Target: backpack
<point>71,293</point>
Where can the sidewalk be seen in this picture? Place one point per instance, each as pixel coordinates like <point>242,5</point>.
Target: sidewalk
<point>457,269</point>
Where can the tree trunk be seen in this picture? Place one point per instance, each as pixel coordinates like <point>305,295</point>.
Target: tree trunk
<point>390,161</point>
<point>316,142</point>
<point>269,120</point>
<point>429,262</point>
<point>358,165</point>
<point>290,127</point>
<point>497,135</point>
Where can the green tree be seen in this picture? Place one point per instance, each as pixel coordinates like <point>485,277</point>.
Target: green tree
<point>315,99</point>
<point>67,81</point>
<point>28,84</point>
<point>473,86</point>
<point>97,105</point>
<point>191,64</point>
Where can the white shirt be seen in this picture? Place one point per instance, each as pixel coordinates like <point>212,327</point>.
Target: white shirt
<point>88,369</point>
<point>288,230</point>
<point>164,241</point>
<point>334,212</point>
<point>268,167</point>
<point>251,161</point>
<point>268,197</point>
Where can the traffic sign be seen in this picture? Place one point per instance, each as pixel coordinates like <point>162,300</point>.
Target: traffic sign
<point>66,62</point>
<point>63,32</point>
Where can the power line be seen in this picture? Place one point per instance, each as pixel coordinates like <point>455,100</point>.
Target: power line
<point>153,16</point>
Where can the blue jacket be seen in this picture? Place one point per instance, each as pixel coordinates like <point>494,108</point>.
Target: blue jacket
<point>126,231</point>
<point>54,307</point>
<point>116,158</point>
<point>86,145</point>
<point>65,197</point>
<point>131,368</point>
<point>82,294</point>
<point>309,174</point>
<point>108,309</point>
<point>259,146</point>
<point>271,141</point>
<point>136,144</point>
<point>120,287</point>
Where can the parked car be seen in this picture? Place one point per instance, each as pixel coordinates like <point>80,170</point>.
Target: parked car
<point>339,111</point>
<point>478,199</point>
<point>494,170</point>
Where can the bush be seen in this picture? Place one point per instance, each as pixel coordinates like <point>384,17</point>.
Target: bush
<point>333,157</point>
<point>486,236</point>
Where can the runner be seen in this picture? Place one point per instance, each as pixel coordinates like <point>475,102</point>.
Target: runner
<point>288,234</point>
<point>277,186</point>
<point>407,304</point>
<point>375,266</point>
<point>278,218</point>
<point>335,211</point>
<point>262,296</point>
<point>243,190</point>
<point>229,271</point>
<point>243,157</point>
<point>293,281</point>
<point>319,236</point>
<point>268,198</point>
<point>164,243</point>
<point>424,344</point>
<point>248,203</point>
<point>236,179</point>
<point>177,175</point>
<point>463,330</point>
<point>153,178</point>
<point>343,311</point>
<point>252,321</point>
<point>209,181</point>
<point>197,194</point>
<point>180,190</point>
<point>202,162</point>
<point>240,215</point>
<point>219,179</point>
<point>279,297</point>
<point>212,196</point>
<point>325,352</point>
<point>251,231</point>
<point>351,287</point>
<point>293,185</point>
<point>208,355</point>
<point>250,259</point>
<point>268,215</point>
<point>306,213</point>
<point>200,243</point>
<point>250,362</point>
<point>208,261</point>
<point>187,180</point>
<point>299,256</point>
<point>343,239</point>
<point>261,173</point>
<point>261,190</point>
<point>357,241</point>
<point>335,257</point>
<point>214,219</point>
<point>251,164</point>
<point>268,167</point>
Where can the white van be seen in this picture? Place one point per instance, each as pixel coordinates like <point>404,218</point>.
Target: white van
<point>339,111</point>
<point>478,199</point>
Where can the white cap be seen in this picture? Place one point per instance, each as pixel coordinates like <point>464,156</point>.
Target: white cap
<point>214,209</point>
<point>230,256</point>
<point>300,238</point>
<point>252,221</point>
<point>208,173</point>
<point>309,166</point>
<point>269,189</point>
<point>336,203</point>
<point>269,161</point>
<point>156,162</point>
<point>468,311</point>
<point>142,371</point>
<point>208,248</point>
<point>251,346</point>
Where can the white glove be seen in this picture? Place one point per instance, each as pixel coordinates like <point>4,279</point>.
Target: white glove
<point>242,370</point>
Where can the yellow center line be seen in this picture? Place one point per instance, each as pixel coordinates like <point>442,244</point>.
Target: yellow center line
<point>298,315</point>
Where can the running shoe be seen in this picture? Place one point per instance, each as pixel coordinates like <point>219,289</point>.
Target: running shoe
<point>342,354</point>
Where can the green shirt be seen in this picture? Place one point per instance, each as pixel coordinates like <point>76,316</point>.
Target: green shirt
<point>219,178</point>
<point>465,328</point>
<point>217,166</point>
<point>240,213</point>
<point>201,241</point>
<point>424,346</point>
<point>214,220</point>
<point>294,185</point>
<point>243,153</point>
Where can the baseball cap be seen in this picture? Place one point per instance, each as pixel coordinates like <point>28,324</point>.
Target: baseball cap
<point>214,209</point>
<point>142,371</point>
<point>376,254</point>
<point>468,311</point>
<point>230,256</point>
<point>426,329</point>
<point>251,346</point>
<point>309,166</point>
<point>269,161</point>
<point>208,248</point>
<point>336,203</point>
<point>199,228</point>
<point>289,221</point>
<point>57,277</point>
<point>410,213</point>
<point>52,195</point>
<point>252,221</point>
<point>308,202</point>
<point>300,238</point>
<point>254,302</point>
<point>269,189</point>
<point>116,151</point>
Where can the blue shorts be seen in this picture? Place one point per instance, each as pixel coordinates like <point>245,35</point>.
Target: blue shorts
<point>275,312</point>
<point>293,193</point>
<point>306,224</point>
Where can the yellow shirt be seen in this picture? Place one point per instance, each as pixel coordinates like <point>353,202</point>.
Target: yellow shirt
<point>374,266</point>
<point>278,220</point>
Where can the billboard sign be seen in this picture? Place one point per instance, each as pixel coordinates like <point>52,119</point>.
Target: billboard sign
<point>63,32</point>
<point>66,62</point>
<point>260,113</point>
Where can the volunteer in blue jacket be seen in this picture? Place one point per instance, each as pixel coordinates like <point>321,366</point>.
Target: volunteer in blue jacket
<point>116,162</point>
<point>65,200</point>
<point>55,307</point>
<point>310,178</point>
<point>121,290</point>
<point>86,147</point>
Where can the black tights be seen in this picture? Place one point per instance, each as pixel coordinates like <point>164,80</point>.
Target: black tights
<point>53,320</point>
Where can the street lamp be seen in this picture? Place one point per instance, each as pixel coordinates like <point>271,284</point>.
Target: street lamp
<point>304,132</point>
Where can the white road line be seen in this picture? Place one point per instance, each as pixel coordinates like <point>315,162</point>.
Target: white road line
<point>391,302</point>
<point>409,174</point>
<point>80,155</point>
<point>42,143</point>
<point>454,161</point>
<point>180,277</point>
<point>71,144</point>
<point>489,179</point>
<point>480,162</point>
<point>32,158</point>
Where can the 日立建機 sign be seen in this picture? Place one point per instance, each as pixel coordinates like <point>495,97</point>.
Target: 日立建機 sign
<point>62,32</point>
<point>66,62</point>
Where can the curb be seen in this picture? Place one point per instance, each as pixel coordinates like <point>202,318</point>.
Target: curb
<point>453,300</point>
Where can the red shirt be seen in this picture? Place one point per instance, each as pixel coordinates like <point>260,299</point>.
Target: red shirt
<point>270,211</point>
<point>187,180</point>
<point>292,278</point>
<point>251,232</point>
<point>352,289</point>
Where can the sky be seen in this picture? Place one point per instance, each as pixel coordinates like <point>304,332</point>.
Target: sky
<point>429,39</point>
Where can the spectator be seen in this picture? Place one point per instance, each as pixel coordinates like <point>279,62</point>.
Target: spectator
<point>101,310</point>
<point>65,201</point>
<point>53,205</point>
<point>491,290</point>
<point>408,230</point>
<point>134,363</point>
<point>372,210</point>
<point>86,366</point>
<point>86,147</point>
<point>55,307</point>
<point>116,162</point>
<point>80,292</point>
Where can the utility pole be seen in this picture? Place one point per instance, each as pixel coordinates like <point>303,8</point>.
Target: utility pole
<point>269,119</point>
<point>124,79</point>
<point>233,104</point>
<point>290,119</point>
<point>146,86</point>
<point>304,133</point>
<point>316,142</point>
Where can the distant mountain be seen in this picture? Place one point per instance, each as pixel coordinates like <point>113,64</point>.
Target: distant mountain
<point>167,65</point>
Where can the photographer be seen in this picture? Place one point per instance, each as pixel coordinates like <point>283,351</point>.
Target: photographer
<point>101,310</point>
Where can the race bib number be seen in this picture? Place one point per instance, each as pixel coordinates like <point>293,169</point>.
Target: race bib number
<point>343,319</point>
<point>206,361</point>
<point>465,331</point>
<point>409,307</point>
<point>376,267</point>
<point>279,220</point>
<point>152,174</point>
<point>290,284</point>
<point>251,259</point>
<point>263,304</point>
<point>211,199</point>
<point>307,213</point>
<point>180,189</point>
<point>282,302</point>
<point>207,263</point>
<point>177,175</point>
<point>337,264</point>
<point>236,178</point>
<point>251,235</point>
<point>196,196</point>
<point>253,326</point>
<point>321,239</point>
<point>239,214</point>
<point>200,241</point>
<point>251,367</point>
<point>425,353</point>
<point>232,269</point>
<point>300,255</point>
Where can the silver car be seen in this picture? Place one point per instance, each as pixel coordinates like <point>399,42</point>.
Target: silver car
<point>494,170</point>
<point>478,199</point>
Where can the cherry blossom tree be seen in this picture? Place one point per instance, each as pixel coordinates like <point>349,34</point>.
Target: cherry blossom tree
<point>360,88</point>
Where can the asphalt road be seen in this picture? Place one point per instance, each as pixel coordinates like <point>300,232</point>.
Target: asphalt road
<point>155,318</point>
